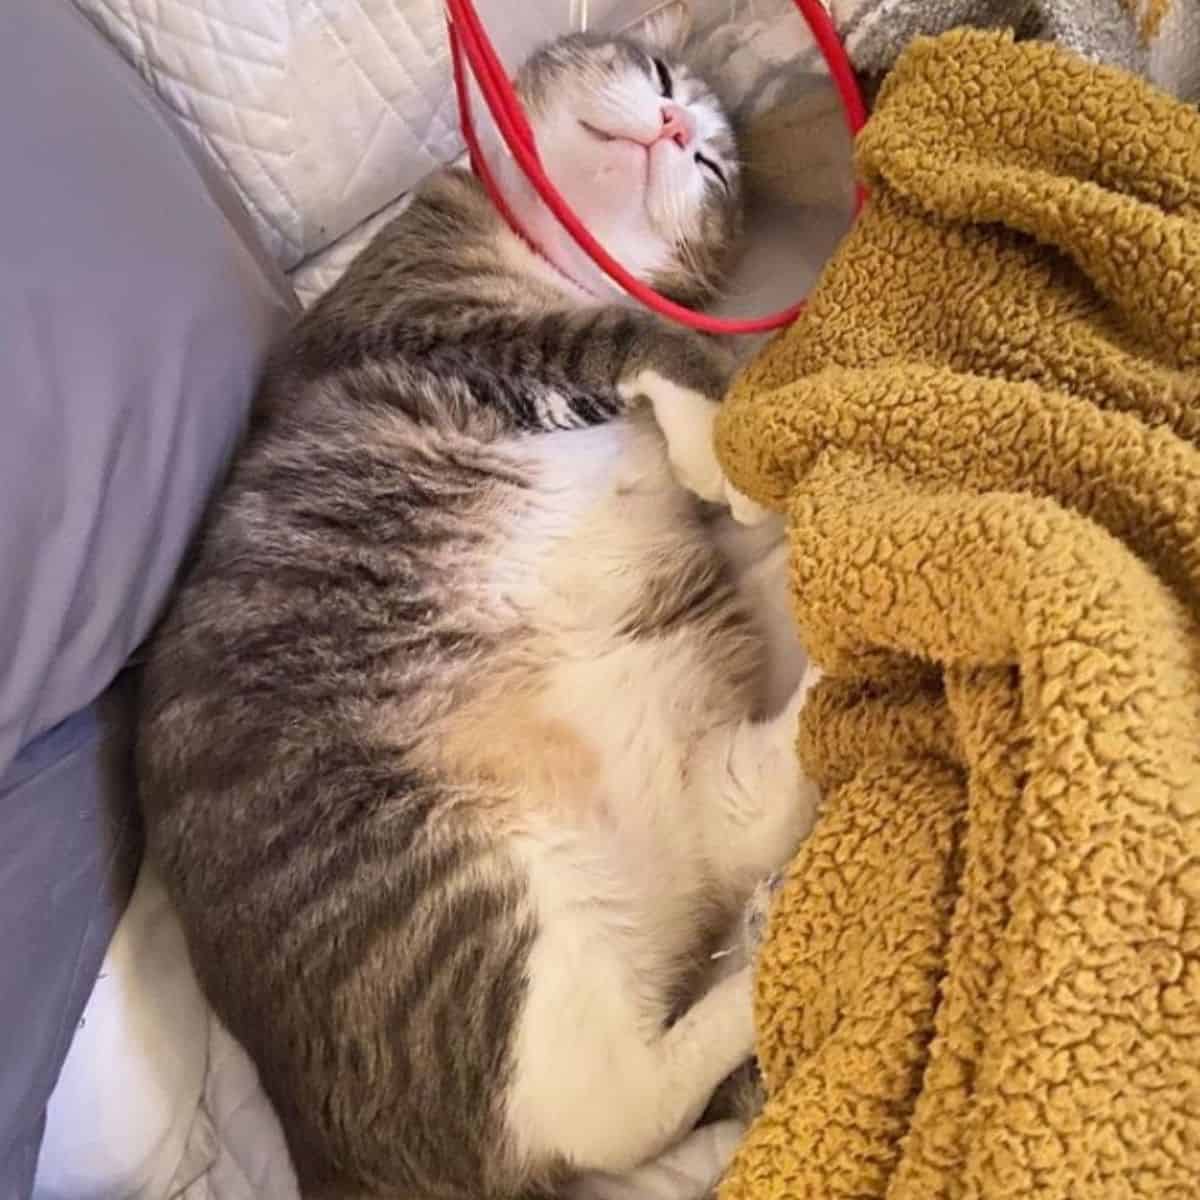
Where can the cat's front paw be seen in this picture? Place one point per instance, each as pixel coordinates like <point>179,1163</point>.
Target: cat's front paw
<point>686,418</point>
<point>745,511</point>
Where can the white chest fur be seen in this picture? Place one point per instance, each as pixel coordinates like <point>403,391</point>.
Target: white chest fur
<point>692,802</point>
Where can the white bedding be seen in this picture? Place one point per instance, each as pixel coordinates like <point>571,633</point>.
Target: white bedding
<point>156,1100</point>
<point>325,113</point>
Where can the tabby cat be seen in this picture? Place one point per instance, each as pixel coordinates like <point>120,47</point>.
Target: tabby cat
<point>452,748</point>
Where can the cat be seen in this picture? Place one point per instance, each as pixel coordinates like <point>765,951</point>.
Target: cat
<point>452,749</point>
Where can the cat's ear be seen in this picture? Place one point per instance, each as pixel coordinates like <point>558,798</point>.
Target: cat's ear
<point>667,27</point>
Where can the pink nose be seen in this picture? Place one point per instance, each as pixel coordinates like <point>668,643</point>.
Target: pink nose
<point>678,125</point>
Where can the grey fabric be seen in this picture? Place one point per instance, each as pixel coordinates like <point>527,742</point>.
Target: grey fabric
<point>880,29</point>
<point>135,309</point>
<point>134,316</point>
<point>68,851</point>
<point>1113,32</point>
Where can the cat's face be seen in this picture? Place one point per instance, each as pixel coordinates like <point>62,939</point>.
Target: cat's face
<point>642,150</point>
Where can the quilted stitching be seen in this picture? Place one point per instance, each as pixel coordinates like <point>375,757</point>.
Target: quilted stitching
<point>219,66</point>
<point>321,111</point>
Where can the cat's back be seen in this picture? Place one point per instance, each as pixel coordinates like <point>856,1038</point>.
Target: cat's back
<point>342,562</point>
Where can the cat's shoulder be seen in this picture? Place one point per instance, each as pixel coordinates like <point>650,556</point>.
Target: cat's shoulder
<point>453,199</point>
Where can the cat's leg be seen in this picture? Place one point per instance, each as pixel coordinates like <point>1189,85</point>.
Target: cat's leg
<point>618,359</point>
<point>755,801</point>
<point>613,1094</point>
<point>689,1171</point>
<point>683,376</point>
<point>600,1080</point>
<point>686,417</point>
<point>760,560</point>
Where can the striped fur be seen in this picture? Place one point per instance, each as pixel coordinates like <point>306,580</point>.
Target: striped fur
<point>447,748</point>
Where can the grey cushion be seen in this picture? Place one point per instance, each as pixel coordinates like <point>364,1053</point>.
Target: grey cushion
<point>135,309</point>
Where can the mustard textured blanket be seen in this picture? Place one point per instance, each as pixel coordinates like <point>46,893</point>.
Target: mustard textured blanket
<point>981,976</point>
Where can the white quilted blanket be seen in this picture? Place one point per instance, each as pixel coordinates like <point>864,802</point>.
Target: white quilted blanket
<point>321,111</point>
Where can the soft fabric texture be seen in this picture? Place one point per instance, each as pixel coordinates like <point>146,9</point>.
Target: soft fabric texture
<point>981,977</point>
<point>68,853</point>
<point>135,309</point>
<point>1159,39</point>
<point>185,1115</point>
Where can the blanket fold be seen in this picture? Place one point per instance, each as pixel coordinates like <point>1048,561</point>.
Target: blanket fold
<point>981,977</point>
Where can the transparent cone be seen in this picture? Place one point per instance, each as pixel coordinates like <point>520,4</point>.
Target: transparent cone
<point>793,144</point>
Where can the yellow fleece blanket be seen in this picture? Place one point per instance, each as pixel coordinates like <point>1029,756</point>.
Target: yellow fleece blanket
<point>981,976</point>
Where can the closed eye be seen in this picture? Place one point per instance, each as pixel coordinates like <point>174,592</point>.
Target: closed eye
<point>665,83</point>
<point>710,166</point>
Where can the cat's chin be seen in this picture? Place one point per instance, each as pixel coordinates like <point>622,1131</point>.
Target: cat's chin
<point>613,159</point>
<point>667,202</point>
<point>623,217</point>
<point>607,184</point>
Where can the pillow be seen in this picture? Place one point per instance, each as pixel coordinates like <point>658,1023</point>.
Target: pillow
<point>136,307</point>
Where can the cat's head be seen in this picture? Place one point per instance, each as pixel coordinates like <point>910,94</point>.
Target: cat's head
<point>643,151</point>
